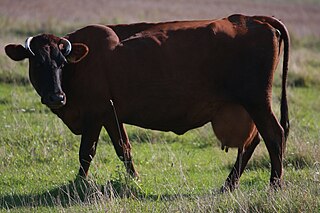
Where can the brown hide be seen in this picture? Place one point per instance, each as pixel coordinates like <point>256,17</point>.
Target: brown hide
<point>177,76</point>
<point>171,76</point>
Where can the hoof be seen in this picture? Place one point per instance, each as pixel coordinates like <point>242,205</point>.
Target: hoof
<point>80,177</point>
<point>276,184</point>
<point>228,187</point>
<point>133,174</point>
<point>82,173</point>
<point>130,169</point>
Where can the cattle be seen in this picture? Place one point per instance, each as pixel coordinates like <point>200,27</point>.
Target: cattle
<point>170,76</point>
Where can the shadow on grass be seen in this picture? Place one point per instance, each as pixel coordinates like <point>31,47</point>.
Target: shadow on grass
<point>81,191</point>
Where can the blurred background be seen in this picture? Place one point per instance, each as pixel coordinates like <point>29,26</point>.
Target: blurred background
<point>18,16</point>
<point>20,19</point>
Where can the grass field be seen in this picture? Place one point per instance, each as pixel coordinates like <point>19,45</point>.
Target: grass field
<point>39,155</point>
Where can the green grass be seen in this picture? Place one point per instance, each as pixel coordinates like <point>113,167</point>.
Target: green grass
<point>39,161</point>
<point>39,157</point>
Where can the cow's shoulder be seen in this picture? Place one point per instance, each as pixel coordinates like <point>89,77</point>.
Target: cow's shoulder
<point>95,35</point>
<point>125,31</point>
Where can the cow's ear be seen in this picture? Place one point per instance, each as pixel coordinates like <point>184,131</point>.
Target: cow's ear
<point>16,52</point>
<point>78,52</point>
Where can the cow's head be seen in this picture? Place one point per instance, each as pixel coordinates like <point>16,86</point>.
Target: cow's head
<point>47,55</point>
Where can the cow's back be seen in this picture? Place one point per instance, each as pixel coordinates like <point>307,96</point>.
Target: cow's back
<point>174,76</point>
<point>171,76</point>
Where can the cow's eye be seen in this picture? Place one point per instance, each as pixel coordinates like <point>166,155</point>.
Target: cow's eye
<point>39,61</point>
<point>38,64</point>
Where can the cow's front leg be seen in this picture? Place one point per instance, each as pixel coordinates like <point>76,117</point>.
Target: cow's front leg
<point>89,141</point>
<point>122,146</point>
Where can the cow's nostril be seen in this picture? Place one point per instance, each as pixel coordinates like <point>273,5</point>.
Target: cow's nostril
<point>56,97</point>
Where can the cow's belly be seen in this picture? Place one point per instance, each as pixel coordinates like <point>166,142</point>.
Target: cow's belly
<point>172,116</point>
<point>177,102</point>
<point>178,124</point>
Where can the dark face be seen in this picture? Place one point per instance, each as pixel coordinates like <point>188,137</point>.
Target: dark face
<point>45,70</point>
<point>48,55</point>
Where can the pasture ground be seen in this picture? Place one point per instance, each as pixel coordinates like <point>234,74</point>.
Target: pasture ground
<point>39,155</point>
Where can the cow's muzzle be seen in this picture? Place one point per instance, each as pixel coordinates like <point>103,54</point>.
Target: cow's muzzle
<point>54,101</point>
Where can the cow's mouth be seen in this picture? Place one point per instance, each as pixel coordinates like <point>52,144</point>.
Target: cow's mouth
<point>54,101</point>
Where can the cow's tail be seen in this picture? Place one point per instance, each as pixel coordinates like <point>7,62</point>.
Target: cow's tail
<point>284,36</point>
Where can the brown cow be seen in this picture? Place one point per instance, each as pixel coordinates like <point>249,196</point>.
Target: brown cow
<point>172,76</point>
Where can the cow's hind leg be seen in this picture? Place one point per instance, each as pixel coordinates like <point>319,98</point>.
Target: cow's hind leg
<point>273,135</point>
<point>122,146</point>
<point>243,157</point>
<point>234,128</point>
